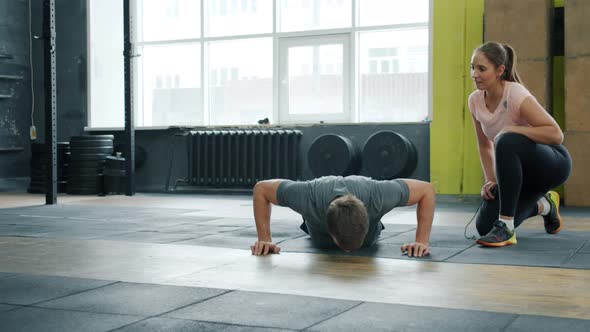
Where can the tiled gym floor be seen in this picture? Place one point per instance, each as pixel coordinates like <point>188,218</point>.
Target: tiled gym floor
<point>181,262</point>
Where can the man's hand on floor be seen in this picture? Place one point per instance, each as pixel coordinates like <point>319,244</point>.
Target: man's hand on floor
<point>415,249</point>
<point>262,248</point>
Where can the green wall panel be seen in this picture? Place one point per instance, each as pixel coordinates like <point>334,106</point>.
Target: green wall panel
<point>457,29</point>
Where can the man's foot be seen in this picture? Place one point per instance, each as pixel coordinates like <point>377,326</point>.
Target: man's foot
<point>499,236</point>
<point>552,220</point>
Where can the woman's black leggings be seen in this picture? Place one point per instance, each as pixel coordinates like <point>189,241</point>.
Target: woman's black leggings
<point>525,171</point>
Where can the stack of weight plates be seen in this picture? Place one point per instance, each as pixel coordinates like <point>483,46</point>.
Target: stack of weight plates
<point>40,159</point>
<point>114,175</point>
<point>88,156</point>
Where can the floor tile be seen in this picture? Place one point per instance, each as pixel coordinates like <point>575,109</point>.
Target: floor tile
<point>261,309</point>
<point>173,325</point>
<point>578,261</point>
<point>25,289</point>
<point>390,317</point>
<point>441,236</point>
<point>133,299</point>
<point>6,307</point>
<point>150,237</point>
<point>37,319</point>
<point>548,324</point>
<point>510,255</point>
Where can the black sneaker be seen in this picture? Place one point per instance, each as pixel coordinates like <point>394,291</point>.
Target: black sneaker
<point>552,220</point>
<point>499,236</point>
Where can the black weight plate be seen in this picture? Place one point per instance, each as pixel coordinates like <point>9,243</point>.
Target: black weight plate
<point>91,150</point>
<point>35,178</point>
<point>91,137</point>
<point>113,162</point>
<point>412,161</point>
<point>91,143</point>
<point>87,185</point>
<point>120,167</point>
<point>87,163</point>
<point>88,157</point>
<point>114,172</point>
<point>332,154</point>
<point>83,191</point>
<point>90,178</point>
<point>386,155</point>
<point>91,186</point>
<point>41,148</point>
<point>84,171</point>
<point>43,185</point>
<point>45,165</point>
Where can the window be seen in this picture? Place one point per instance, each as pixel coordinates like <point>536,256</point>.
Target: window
<point>234,62</point>
<point>386,12</point>
<point>301,15</point>
<point>105,65</point>
<point>168,20</point>
<point>231,18</point>
<point>242,91</point>
<point>315,76</point>
<point>171,85</point>
<point>394,75</point>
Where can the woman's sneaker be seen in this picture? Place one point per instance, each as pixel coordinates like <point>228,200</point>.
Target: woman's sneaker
<point>499,236</point>
<point>552,220</point>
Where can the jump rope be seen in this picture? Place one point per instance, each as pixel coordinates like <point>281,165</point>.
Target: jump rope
<point>473,237</point>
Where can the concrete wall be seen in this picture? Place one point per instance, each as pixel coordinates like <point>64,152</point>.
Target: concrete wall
<point>577,99</point>
<point>71,76</point>
<point>15,95</point>
<point>526,25</point>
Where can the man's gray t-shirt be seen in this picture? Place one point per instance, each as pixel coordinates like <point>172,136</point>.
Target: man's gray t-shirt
<point>312,198</point>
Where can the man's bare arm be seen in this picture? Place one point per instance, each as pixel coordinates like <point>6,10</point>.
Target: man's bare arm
<point>265,194</point>
<point>423,194</point>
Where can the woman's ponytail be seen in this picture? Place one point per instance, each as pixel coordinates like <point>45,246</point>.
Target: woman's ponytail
<point>501,54</point>
<point>510,73</point>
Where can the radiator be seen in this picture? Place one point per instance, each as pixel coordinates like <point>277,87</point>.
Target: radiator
<point>240,158</point>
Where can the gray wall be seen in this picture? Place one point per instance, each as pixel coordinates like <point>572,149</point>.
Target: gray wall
<point>71,77</point>
<point>15,111</point>
<point>165,150</point>
<point>70,64</point>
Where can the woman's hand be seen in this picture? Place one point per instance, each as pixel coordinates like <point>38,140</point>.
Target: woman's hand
<point>489,190</point>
